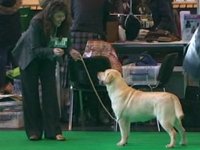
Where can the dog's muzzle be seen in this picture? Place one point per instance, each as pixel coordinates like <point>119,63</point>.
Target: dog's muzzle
<point>99,74</point>
<point>101,83</point>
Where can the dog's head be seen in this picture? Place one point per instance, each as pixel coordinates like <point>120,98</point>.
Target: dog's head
<point>108,76</point>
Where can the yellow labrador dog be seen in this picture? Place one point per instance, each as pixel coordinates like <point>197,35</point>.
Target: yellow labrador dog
<point>131,105</point>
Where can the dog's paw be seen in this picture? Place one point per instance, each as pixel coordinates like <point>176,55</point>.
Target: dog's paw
<point>169,146</point>
<point>121,143</point>
<point>183,143</point>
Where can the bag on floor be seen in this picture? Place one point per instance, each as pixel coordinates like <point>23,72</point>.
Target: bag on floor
<point>145,59</point>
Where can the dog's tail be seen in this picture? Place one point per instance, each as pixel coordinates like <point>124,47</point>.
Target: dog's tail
<point>178,108</point>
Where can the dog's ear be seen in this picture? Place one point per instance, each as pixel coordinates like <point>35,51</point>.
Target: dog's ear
<point>109,78</point>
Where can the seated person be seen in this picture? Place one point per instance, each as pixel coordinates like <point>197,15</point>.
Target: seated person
<point>161,11</point>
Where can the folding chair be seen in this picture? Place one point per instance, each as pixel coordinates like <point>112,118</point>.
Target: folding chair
<point>79,81</point>
<point>164,74</point>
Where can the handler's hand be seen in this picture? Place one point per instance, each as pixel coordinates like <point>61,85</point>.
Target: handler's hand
<point>58,51</point>
<point>75,54</point>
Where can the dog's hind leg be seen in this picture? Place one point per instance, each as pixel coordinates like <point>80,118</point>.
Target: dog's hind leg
<point>124,126</point>
<point>171,131</point>
<point>178,125</point>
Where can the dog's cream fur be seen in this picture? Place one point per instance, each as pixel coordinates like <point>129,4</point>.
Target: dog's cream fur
<point>131,105</point>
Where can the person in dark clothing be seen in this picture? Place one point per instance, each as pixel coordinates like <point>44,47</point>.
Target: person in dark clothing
<point>43,3</point>
<point>89,23</point>
<point>89,20</point>
<point>9,34</point>
<point>37,51</point>
<point>162,13</point>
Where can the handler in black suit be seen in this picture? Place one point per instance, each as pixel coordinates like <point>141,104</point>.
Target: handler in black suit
<point>36,53</point>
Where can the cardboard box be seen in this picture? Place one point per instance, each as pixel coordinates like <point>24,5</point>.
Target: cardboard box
<point>13,106</point>
<point>11,119</point>
<point>11,115</point>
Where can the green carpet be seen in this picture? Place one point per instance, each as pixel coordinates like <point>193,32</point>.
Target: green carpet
<point>90,140</point>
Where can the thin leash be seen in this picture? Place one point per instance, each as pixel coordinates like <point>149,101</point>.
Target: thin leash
<point>88,74</point>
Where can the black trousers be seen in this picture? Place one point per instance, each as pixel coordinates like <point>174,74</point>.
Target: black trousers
<point>3,62</point>
<point>40,115</point>
<point>6,59</point>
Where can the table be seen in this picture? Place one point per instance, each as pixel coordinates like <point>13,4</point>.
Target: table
<point>33,4</point>
<point>130,47</point>
<point>156,49</point>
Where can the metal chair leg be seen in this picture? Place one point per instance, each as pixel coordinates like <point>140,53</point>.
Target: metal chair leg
<point>81,108</point>
<point>71,97</point>
<point>58,86</point>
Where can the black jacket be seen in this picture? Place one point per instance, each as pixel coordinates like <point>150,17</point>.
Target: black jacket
<point>89,15</point>
<point>33,43</point>
<point>162,13</point>
<point>10,29</point>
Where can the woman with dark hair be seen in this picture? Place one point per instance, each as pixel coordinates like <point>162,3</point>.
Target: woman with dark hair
<point>45,41</point>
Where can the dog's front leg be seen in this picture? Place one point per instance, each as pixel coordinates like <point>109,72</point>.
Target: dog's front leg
<point>124,126</point>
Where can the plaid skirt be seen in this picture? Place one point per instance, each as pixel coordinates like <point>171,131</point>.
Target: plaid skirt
<point>79,39</point>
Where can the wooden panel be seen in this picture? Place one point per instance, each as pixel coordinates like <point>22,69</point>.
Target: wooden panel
<point>184,4</point>
<point>34,4</point>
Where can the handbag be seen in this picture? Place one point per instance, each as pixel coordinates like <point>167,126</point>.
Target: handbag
<point>102,48</point>
<point>145,59</point>
<point>191,62</point>
<point>132,25</point>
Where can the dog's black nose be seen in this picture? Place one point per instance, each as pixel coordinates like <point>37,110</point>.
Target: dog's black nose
<point>101,82</point>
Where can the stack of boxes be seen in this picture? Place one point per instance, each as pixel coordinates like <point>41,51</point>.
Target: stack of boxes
<point>11,115</point>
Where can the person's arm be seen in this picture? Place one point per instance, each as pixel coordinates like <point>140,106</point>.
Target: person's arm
<point>10,10</point>
<point>75,54</point>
